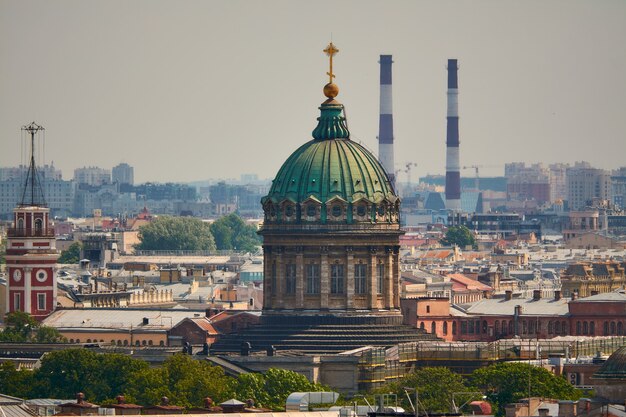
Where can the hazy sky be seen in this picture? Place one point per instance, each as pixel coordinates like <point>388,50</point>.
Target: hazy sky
<point>190,90</point>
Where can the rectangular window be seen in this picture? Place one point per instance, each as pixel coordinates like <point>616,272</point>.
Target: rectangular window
<point>360,279</point>
<point>41,301</point>
<point>313,279</point>
<point>290,278</point>
<point>336,279</point>
<point>17,302</point>
<point>380,279</point>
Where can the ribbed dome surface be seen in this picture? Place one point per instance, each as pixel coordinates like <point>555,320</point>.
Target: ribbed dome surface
<point>331,165</point>
<point>614,367</point>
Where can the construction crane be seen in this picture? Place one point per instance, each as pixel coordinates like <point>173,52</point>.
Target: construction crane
<point>408,171</point>
<point>476,178</point>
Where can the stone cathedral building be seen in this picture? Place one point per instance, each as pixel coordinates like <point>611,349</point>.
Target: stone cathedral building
<point>331,245</point>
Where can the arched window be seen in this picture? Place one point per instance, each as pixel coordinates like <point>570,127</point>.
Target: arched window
<point>161,343</point>
<point>511,330</point>
<point>422,326</point>
<point>71,340</point>
<point>592,328</point>
<point>484,326</point>
<point>125,342</point>
<point>433,327</point>
<point>454,327</point>
<point>149,342</point>
<point>20,225</point>
<point>557,327</point>
<point>143,343</point>
<point>550,327</point>
<point>606,328</point>
<point>585,328</point>
<point>504,327</point>
<point>564,328</point>
<point>612,327</point>
<point>620,328</point>
<point>38,227</point>
<point>445,327</point>
<point>496,327</point>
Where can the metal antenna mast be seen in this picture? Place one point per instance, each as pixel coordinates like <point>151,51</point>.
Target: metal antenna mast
<point>32,178</point>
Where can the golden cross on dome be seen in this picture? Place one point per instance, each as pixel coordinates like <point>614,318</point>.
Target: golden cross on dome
<point>331,51</point>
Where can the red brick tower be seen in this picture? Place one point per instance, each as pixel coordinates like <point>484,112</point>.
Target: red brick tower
<point>31,253</point>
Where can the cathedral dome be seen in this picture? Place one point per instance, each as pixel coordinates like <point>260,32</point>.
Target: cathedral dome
<point>614,367</point>
<point>331,178</point>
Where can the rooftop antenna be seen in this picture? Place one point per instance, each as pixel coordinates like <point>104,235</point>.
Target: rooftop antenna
<point>32,185</point>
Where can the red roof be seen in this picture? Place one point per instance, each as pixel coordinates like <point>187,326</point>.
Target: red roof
<point>461,282</point>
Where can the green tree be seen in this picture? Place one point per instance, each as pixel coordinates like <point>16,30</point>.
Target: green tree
<point>176,233</point>
<point>17,383</point>
<point>435,386</point>
<point>281,382</point>
<point>460,236</point>
<point>3,252</point>
<point>99,376</point>
<point>19,327</point>
<point>232,232</point>
<point>71,255</point>
<point>47,334</point>
<point>508,382</point>
<point>184,380</point>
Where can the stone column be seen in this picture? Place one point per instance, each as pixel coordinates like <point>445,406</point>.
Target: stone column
<point>388,287</point>
<point>396,277</point>
<point>324,278</point>
<point>267,277</point>
<point>299,277</point>
<point>372,287</point>
<point>280,280</point>
<point>349,278</point>
<point>28,276</point>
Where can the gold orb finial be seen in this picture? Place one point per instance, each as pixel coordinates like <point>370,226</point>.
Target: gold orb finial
<point>331,90</point>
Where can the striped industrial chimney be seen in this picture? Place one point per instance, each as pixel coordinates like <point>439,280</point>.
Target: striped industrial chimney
<point>385,127</point>
<point>453,175</point>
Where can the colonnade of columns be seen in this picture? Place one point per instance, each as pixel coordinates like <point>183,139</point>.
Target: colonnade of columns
<point>381,263</point>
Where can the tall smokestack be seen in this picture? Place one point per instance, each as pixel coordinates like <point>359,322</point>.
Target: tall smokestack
<point>453,175</point>
<point>385,127</point>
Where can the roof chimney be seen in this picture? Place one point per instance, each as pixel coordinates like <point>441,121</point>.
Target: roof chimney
<point>557,295</point>
<point>120,399</point>
<point>574,295</point>
<point>508,295</point>
<point>536,295</point>
<point>208,402</point>
<point>165,400</point>
<point>80,397</point>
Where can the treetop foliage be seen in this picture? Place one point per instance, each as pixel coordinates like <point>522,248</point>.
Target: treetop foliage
<point>460,236</point>
<point>184,380</point>
<point>22,327</point>
<point>71,255</point>
<point>232,233</point>
<point>176,233</point>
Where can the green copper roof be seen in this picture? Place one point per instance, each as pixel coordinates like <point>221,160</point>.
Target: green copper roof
<point>614,367</point>
<point>330,166</point>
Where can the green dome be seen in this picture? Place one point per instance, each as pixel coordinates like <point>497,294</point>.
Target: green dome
<point>331,167</point>
<point>614,367</point>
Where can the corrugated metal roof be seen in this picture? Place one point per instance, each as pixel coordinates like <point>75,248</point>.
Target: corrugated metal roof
<point>497,307</point>
<point>118,318</point>
<point>15,410</point>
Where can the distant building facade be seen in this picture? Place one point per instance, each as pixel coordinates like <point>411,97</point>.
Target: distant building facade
<point>93,176</point>
<point>123,174</point>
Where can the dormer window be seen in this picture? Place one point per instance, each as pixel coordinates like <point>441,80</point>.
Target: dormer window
<point>289,211</point>
<point>20,224</point>
<point>336,211</point>
<point>361,210</point>
<point>311,211</point>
